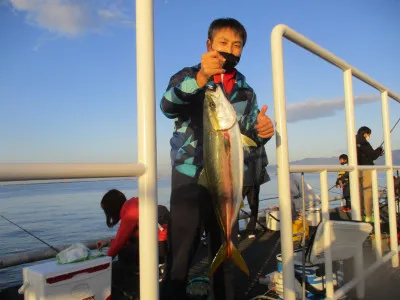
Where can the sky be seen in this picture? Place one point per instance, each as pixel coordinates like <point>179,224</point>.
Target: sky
<point>68,72</point>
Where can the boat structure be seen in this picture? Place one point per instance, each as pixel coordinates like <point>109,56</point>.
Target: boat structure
<point>320,253</point>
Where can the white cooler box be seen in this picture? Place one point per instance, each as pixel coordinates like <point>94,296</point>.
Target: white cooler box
<point>87,280</point>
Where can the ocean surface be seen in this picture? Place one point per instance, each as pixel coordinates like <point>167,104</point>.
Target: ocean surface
<point>69,212</point>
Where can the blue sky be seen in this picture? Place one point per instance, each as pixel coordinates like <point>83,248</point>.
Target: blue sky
<point>68,72</point>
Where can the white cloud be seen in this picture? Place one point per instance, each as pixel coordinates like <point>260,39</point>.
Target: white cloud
<point>115,14</point>
<point>315,109</point>
<point>72,18</point>
<point>65,18</point>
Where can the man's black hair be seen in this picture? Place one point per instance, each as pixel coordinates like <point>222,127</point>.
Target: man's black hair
<point>231,23</point>
<point>363,130</point>
<point>344,156</point>
<point>112,203</point>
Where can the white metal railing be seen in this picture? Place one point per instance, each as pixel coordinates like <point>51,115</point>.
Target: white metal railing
<point>284,169</point>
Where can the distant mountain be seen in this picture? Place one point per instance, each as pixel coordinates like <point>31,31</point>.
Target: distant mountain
<point>395,157</point>
<point>335,161</point>
<point>316,161</point>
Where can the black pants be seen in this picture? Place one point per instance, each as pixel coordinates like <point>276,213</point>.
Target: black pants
<point>348,202</point>
<point>346,196</point>
<point>252,193</point>
<point>129,254</point>
<point>191,212</point>
<point>162,251</point>
<point>125,272</point>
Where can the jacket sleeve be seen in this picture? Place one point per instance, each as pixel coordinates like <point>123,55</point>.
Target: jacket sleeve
<point>179,94</point>
<point>128,223</point>
<point>250,120</point>
<point>339,177</point>
<point>370,152</point>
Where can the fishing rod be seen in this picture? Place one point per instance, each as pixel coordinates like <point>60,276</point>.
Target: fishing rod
<point>258,222</point>
<point>331,187</point>
<point>55,249</point>
<point>390,131</point>
<point>318,190</point>
<point>266,199</point>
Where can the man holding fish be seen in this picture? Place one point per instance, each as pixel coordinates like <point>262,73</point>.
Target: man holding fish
<point>216,116</point>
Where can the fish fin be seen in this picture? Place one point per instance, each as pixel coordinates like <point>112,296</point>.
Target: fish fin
<point>238,260</point>
<point>246,148</point>
<point>248,141</point>
<point>218,259</point>
<point>203,179</point>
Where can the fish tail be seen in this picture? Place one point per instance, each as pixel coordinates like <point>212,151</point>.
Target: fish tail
<point>222,254</point>
<point>218,259</point>
<point>238,260</point>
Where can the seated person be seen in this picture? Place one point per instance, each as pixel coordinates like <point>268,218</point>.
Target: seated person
<point>312,200</point>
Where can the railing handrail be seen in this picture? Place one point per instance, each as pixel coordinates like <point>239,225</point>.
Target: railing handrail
<point>24,257</point>
<point>283,30</point>
<point>333,168</point>
<point>49,171</point>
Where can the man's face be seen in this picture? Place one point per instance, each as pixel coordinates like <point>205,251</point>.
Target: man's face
<point>342,161</point>
<point>226,40</point>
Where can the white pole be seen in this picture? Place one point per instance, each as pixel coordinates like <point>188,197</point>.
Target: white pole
<point>353,175</point>
<point>327,234</point>
<point>389,177</point>
<point>147,151</point>
<point>351,145</point>
<point>282,158</point>
<point>377,219</point>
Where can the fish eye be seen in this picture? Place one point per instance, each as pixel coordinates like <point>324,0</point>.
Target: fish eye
<point>212,105</point>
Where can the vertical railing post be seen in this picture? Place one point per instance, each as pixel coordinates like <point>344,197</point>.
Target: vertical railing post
<point>282,157</point>
<point>351,144</point>
<point>327,234</point>
<point>354,180</point>
<point>389,177</point>
<point>148,249</point>
<point>377,218</point>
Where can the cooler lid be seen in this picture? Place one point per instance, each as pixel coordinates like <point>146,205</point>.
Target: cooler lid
<point>51,271</point>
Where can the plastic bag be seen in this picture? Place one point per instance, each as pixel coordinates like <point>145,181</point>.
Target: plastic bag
<point>76,253</point>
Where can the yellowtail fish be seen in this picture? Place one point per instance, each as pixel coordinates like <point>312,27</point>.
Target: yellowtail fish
<point>223,169</point>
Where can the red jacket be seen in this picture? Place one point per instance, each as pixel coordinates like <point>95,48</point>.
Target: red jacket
<point>129,227</point>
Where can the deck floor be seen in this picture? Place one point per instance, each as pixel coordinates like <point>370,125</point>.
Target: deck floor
<point>260,255</point>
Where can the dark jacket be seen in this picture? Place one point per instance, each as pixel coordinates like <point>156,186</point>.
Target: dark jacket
<point>343,176</point>
<point>183,102</point>
<point>255,170</point>
<point>365,153</point>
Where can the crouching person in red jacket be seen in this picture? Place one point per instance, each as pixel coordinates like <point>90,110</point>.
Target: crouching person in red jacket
<point>126,242</point>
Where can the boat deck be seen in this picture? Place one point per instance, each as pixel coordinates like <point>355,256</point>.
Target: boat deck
<point>260,255</point>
